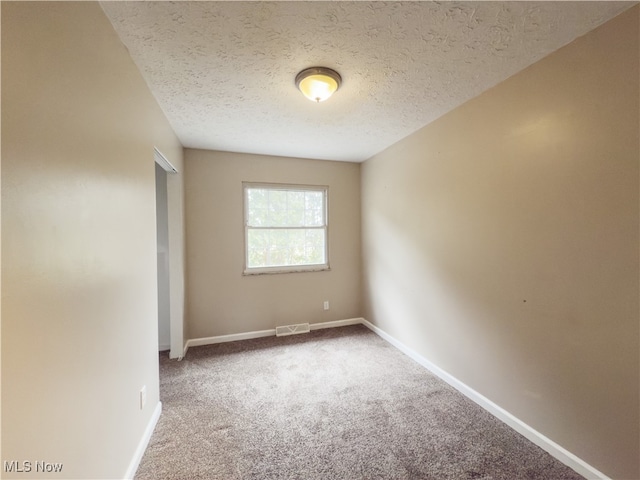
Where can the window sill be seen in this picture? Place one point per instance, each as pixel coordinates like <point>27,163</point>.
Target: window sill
<point>291,269</point>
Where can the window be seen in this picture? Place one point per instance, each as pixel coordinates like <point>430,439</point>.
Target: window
<point>285,228</point>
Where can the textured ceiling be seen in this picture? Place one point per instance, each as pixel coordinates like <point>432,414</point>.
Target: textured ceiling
<point>223,72</point>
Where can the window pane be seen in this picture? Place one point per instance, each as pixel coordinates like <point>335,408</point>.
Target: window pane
<point>296,247</point>
<point>285,208</point>
<point>257,216</point>
<point>285,247</point>
<point>279,238</point>
<point>286,227</point>
<point>258,197</point>
<point>315,255</point>
<point>257,248</point>
<point>277,215</point>
<point>295,207</point>
<point>314,208</point>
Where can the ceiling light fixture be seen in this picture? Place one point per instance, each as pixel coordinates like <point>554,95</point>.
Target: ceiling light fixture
<point>318,83</point>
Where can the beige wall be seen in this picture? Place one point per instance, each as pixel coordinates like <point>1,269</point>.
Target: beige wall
<point>223,301</point>
<point>501,243</point>
<point>79,311</point>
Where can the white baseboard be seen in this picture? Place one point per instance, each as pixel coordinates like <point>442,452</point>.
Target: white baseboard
<point>555,450</point>
<point>196,342</point>
<point>336,323</point>
<point>144,442</point>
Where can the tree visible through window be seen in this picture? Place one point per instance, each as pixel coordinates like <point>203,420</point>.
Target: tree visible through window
<point>285,228</point>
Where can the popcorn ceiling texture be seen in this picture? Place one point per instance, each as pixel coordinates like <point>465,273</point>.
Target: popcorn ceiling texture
<point>223,72</point>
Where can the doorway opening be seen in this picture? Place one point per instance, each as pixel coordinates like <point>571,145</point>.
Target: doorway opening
<point>162,236</point>
<point>169,334</point>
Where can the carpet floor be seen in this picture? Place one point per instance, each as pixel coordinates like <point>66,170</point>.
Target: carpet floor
<point>339,403</point>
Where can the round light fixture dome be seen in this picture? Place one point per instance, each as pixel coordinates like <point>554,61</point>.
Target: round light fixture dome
<point>318,83</point>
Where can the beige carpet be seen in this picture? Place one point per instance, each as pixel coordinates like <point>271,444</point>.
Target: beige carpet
<point>339,403</point>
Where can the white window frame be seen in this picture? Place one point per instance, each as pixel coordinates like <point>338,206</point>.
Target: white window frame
<point>285,268</point>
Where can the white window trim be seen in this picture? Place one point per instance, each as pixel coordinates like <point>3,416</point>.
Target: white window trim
<point>321,267</point>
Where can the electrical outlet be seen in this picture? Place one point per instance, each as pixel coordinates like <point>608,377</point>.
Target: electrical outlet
<point>326,304</point>
<point>143,396</point>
